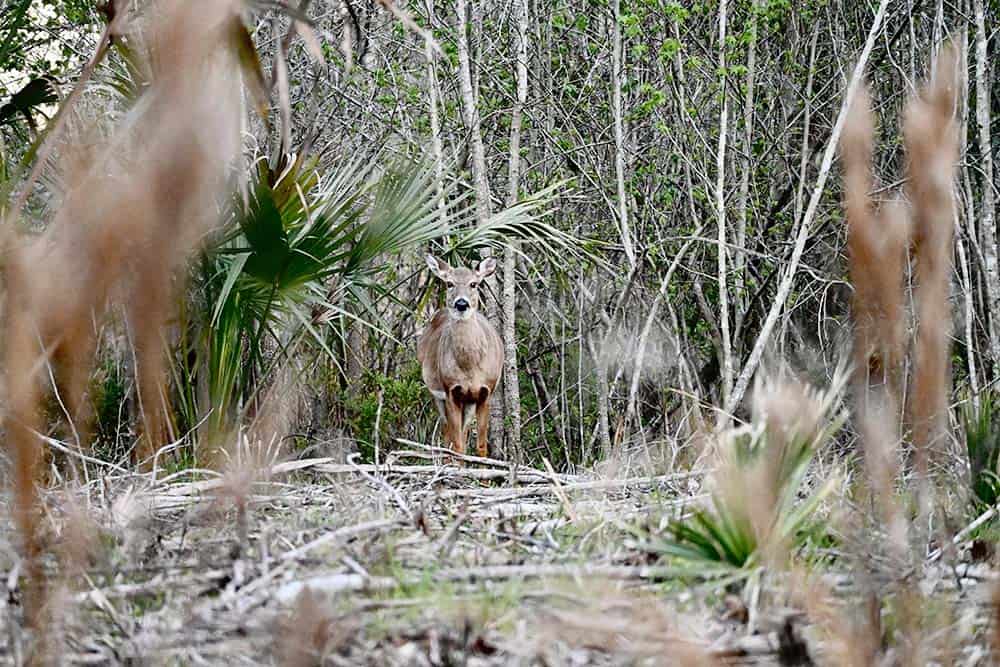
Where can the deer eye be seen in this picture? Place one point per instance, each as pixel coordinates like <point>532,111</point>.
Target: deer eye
<point>473,285</point>
<point>449,285</point>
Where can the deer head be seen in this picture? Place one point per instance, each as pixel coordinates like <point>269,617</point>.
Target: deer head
<point>462,283</point>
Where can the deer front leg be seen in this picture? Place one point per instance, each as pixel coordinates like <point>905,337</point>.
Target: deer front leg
<point>453,424</point>
<point>483,427</point>
<point>442,413</point>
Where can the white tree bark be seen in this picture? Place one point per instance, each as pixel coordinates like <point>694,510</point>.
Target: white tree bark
<point>481,183</point>
<point>988,214</point>
<point>617,81</point>
<point>434,93</point>
<point>720,210</point>
<point>470,112</point>
<point>512,390</point>
<point>969,212</point>
<point>742,202</point>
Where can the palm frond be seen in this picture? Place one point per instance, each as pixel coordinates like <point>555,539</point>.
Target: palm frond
<point>523,222</point>
<point>301,243</point>
<point>982,444</point>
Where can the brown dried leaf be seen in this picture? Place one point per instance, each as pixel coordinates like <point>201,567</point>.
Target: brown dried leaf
<point>249,59</point>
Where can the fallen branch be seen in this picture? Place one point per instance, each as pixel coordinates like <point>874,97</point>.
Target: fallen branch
<point>519,470</point>
<point>539,490</point>
<point>960,536</point>
<point>343,533</point>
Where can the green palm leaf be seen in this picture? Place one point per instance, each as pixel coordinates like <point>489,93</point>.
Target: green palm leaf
<point>302,241</point>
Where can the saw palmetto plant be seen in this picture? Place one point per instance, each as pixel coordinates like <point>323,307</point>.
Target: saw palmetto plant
<point>762,499</point>
<point>981,422</point>
<point>302,248</point>
<point>289,250</point>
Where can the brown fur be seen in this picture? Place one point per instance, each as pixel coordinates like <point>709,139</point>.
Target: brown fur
<point>461,357</point>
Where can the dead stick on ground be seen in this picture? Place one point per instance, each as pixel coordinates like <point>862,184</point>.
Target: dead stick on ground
<point>600,484</point>
<point>559,492</point>
<point>480,460</point>
<point>343,533</point>
<point>403,505</point>
<point>960,536</point>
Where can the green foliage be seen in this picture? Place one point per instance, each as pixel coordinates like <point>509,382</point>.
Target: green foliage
<point>982,444</point>
<point>404,401</point>
<point>303,249</point>
<point>37,92</point>
<point>289,251</point>
<point>108,395</point>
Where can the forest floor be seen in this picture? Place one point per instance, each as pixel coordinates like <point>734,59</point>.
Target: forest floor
<point>413,562</point>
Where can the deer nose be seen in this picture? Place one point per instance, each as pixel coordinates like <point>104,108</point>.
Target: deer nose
<point>461,305</point>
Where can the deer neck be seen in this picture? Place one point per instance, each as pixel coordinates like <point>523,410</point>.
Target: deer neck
<point>468,341</point>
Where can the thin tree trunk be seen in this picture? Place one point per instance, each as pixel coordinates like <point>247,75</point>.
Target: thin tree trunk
<point>988,213</point>
<point>720,208</point>
<point>471,113</point>
<point>965,264</point>
<point>512,390</point>
<point>603,398</point>
<point>742,204</point>
<point>434,93</point>
<point>806,121</point>
<point>969,310</point>
<point>617,81</point>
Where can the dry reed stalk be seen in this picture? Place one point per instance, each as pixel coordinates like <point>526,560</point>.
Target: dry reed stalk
<point>995,623</point>
<point>23,394</point>
<point>307,634</point>
<point>850,640</point>
<point>931,139</point>
<point>877,248</point>
<point>876,245</point>
<point>623,624</point>
<point>132,212</point>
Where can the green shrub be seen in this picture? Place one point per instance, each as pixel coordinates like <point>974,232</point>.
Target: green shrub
<point>982,443</point>
<point>406,409</point>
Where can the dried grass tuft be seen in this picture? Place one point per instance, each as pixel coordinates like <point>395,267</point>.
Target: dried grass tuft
<point>623,624</point>
<point>135,206</point>
<point>308,633</point>
<point>931,137</point>
<point>877,245</point>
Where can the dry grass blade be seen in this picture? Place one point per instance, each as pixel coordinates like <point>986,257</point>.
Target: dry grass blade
<point>311,41</point>
<point>931,139</point>
<point>126,221</point>
<point>876,244</point>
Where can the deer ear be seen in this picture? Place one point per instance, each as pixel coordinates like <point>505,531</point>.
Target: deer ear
<point>439,268</point>
<point>486,267</point>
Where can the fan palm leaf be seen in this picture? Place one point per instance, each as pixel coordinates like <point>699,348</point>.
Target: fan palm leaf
<point>298,243</point>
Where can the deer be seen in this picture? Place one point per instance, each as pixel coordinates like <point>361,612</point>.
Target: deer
<point>461,355</point>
